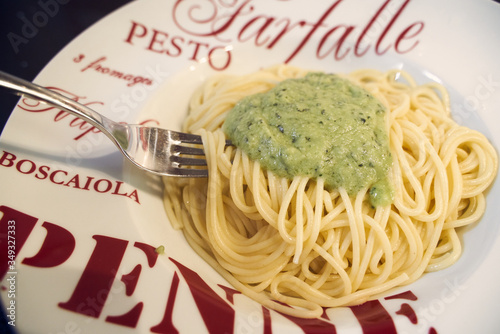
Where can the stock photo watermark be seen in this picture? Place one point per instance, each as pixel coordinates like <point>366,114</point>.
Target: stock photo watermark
<point>484,89</point>
<point>11,279</point>
<point>120,109</point>
<point>427,314</point>
<point>32,24</point>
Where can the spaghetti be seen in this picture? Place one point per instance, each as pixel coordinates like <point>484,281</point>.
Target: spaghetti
<point>291,242</point>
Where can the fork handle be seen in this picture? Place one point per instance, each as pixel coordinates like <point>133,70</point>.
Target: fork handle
<point>22,87</point>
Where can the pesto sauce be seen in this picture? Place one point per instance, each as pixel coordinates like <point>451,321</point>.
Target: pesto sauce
<point>321,126</point>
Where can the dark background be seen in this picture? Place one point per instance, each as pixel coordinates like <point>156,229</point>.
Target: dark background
<point>32,32</point>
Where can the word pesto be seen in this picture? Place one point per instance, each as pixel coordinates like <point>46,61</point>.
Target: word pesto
<point>320,126</point>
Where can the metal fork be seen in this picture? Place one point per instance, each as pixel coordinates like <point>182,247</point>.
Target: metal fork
<point>155,150</point>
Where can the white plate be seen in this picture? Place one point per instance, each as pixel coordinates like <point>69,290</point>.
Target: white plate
<point>86,224</point>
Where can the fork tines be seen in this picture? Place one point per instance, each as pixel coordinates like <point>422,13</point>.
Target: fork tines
<point>188,138</point>
<point>185,154</point>
<point>186,151</point>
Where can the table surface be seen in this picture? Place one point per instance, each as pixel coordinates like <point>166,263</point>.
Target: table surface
<point>32,33</point>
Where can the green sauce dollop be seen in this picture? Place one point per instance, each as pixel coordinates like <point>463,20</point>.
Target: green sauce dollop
<point>321,126</point>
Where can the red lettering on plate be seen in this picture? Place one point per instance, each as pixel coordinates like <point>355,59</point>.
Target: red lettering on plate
<point>94,285</point>
<point>32,105</point>
<point>405,309</point>
<point>150,252</point>
<point>408,312</point>
<point>216,313</point>
<point>408,34</point>
<point>374,318</point>
<point>336,48</point>
<point>224,21</point>
<point>155,40</point>
<point>107,185</point>
<point>52,177</point>
<point>166,325</point>
<point>242,21</point>
<point>117,189</point>
<point>64,178</point>
<point>230,292</point>
<point>128,319</point>
<point>93,288</point>
<point>130,280</point>
<point>7,159</point>
<point>260,32</point>
<point>315,26</point>
<point>366,29</point>
<point>30,169</point>
<point>98,66</point>
<point>29,105</point>
<point>87,184</point>
<point>387,28</point>
<point>266,314</point>
<point>403,295</point>
<point>57,247</point>
<point>162,43</point>
<point>22,225</point>
<point>132,33</point>
<point>313,326</point>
